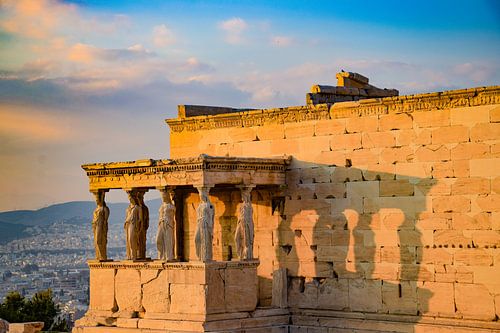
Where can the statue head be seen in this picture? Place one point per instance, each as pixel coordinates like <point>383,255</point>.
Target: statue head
<point>132,197</point>
<point>166,195</point>
<point>140,197</point>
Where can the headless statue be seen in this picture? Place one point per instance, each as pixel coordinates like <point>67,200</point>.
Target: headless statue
<point>132,221</point>
<point>166,223</point>
<point>244,230</point>
<point>142,229</point>
<point>204,227</point>
<point>100,226</point>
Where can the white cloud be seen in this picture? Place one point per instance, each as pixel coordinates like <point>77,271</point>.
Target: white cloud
<point>234,29</point>
<point>281,41</point>
<point>163,36</point>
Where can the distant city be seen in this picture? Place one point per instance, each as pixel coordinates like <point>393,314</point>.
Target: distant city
<point>54,255</point>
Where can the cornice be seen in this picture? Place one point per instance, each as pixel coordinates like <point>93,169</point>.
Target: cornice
<point>365,107</point>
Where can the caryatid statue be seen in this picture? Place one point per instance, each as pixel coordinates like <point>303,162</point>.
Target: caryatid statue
<point>166,224</point>
<point>143,226</point>
<point>100,226</point>
<point>204,227</point>
<point>132,221</point>
<point>244,230</point>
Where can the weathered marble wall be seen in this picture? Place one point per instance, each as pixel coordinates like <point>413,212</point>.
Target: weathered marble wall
<point>392,206</point>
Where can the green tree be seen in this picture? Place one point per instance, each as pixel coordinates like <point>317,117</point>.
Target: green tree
<point>40,307</point>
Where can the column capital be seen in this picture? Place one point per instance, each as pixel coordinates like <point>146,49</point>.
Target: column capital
<point>101,190</point>
<point>165,188</point>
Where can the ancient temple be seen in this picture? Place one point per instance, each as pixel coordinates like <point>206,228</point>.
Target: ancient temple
<point>361,211</point>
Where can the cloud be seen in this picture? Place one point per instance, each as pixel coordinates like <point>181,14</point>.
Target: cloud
<point>477,72</point>
<point>234,29</point>
<point>281,41</point>
<point>163,36</point>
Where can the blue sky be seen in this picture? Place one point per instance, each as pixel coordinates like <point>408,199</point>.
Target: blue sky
<point>84,81</point>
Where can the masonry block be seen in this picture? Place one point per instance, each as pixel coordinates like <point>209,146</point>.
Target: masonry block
<point>485,132</point>
<point>474,301</point>
<point>451,134</point>
<point>330,127</point>
<point>362,124</point>
<point>395,122</point>
<point>470,186</point>
<point>436,299</point>
<point>432,118</point>
<point>365,295</point>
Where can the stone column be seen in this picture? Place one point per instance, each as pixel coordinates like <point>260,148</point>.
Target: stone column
<point>132,222</point>
<point>166,225</point>
<point>143,225</point>
<point>100,225</point>
<point>245,230</point>
<point>204,225</point>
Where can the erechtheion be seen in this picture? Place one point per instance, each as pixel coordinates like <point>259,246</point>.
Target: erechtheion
<point>361,211</point>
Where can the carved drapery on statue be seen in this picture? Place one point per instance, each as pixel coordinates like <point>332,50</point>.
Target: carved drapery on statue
<point>204,226</point>
<point>132,222</point>
<point>143,226</point>
<point>100,226</point>
<point>166,225</point>
<point>245,230</point>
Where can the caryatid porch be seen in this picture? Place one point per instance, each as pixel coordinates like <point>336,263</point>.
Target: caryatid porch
<point>152,294</point>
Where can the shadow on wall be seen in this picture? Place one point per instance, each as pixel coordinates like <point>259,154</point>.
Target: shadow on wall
<point>350,239</point>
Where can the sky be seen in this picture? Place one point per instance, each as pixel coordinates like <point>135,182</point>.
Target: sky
<point>91,81</point>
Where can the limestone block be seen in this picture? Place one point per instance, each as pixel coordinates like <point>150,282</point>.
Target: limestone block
<point>345,141</point>
<point>363,157</point>
<point>215,291</point>
<point>451,237</point>
<point>495,185</point>
<point>299,130</point>
<point>155,292</point>
<point>332,157</point>
<point>380,271</point>
<point>399,297</point>
<point>414,169</point>
<point>474,302</point>
<point>397,254</point>
<point>488,167</point>
<point>395,122</point>
<point>470,150</point>
<point>433,118</point>
<point>471,115</point>
<point>280,288</point>
<point>473,185</point>
<point>484,132</point>
<point>259,149</point>
<point>396,188</point>
<point>329,127</point>
<point>475,222</point>
<point>242,134</point>
<point>241,290</point>
<point>270,132</point>
<point>489,203</point>
<point>415,136</point>
<point>443,170</point>
<point>378,139</point>
<point>30,327</point>
<point>485,238</point>
<point>283,146</point>
<point>128,290</point>
<point>362,124</point>
<point>187,298</point>
<point>441,256</point>
<point>330,190</point>
<point>453,203</point>
<point>451,134</point>
<point>473,257</point>
<point>396,154</point>
<point>436,299</point>
<point>416,272</point>
<point>433,187</point>
<point>320,143</point>
<point>461,169</point>
<point>333,294</point>
<point>365,295</point>
<point>432,153</point>
<point>102,289</point>
<point>434,221</point>
<point>127,322</point>
<point>366,189</point>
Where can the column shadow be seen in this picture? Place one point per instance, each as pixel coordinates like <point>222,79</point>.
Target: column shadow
<point>350,240</point>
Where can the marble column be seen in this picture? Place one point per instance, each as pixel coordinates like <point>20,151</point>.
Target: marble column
<point>204,225</point>
<point>244,234</point>
<point>165,240</point>
<point>133,218</point>
<point>143,225</point>
<point>100,225</point>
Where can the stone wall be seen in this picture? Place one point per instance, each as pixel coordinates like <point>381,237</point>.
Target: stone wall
<point>392,205</point>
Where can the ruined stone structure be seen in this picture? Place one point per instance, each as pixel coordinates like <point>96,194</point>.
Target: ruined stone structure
<point>371,212</point>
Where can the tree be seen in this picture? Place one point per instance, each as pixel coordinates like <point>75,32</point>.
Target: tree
<point>40,307</point>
